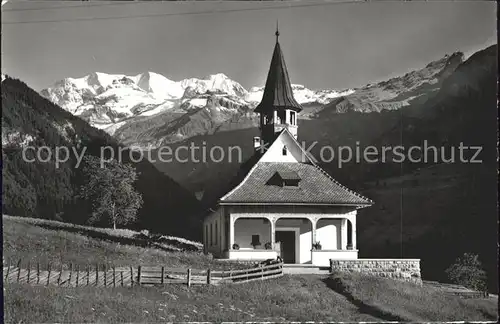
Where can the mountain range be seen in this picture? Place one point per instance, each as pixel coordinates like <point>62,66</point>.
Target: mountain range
<point>149,110</point>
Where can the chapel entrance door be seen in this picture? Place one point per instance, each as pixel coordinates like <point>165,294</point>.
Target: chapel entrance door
<point>287,239</point>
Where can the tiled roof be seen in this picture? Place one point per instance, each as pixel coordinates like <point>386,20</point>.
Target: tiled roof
<point>316,187</point>
<point>278,89</point>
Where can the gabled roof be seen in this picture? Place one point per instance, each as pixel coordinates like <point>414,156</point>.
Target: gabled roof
<point>278,90</point>
<point>316,185</point>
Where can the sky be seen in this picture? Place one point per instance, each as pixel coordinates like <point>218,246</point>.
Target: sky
<point>326,45</point>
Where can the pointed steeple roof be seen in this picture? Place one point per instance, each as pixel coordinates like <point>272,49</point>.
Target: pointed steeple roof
<point>278,90</point>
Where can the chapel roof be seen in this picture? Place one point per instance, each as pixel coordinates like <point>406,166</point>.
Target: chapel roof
<point>316,187</point>
<point>278,91</point>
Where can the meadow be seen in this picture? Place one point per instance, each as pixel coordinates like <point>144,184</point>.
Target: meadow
<point>335,297</point>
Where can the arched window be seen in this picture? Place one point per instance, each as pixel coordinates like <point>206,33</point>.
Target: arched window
<point>285,150</point>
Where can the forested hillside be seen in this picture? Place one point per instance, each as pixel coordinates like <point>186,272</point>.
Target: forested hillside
<point>40,189</point>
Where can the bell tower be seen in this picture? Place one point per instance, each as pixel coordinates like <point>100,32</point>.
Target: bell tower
<point>278,108</point>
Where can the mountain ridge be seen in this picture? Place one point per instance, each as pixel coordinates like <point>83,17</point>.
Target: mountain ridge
<point>126,106</point>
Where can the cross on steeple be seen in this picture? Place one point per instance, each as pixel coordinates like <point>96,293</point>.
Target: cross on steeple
<point>277,33</point>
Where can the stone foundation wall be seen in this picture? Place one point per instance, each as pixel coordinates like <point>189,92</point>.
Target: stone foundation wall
<point>401,269</point>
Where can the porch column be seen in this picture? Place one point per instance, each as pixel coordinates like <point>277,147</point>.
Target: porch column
<point>273,232</point>
<point>313,230</point>
<point>313,236</point>
<point>343,234</point>
<point>231,232</point>
<point>353,236</point>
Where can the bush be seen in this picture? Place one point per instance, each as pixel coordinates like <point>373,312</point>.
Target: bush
<point>467,271</point>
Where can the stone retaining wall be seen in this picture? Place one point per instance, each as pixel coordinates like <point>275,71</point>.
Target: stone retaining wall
<point>402,269</point>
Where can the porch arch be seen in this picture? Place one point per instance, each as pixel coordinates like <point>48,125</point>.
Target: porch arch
<point>351,235</point>
<point>329,233</point>
<point>249,230</point>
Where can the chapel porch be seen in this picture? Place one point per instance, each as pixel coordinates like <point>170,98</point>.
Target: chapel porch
<point>300,240</point>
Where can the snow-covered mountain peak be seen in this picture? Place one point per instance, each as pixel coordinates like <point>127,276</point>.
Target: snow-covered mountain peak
<point>217,76</point>
<point>214,83</point>
<point>98,79</point>
<point>159,85</point>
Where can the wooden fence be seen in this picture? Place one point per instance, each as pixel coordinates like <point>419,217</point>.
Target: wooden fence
<point>102,276</point>
<point>457,290</point>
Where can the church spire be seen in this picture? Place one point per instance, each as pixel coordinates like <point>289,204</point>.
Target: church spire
<point>278,108</point>
<point>278,89</point>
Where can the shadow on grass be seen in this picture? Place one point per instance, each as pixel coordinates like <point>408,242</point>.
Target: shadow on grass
<point>337,285</point>
<point>139,240</point>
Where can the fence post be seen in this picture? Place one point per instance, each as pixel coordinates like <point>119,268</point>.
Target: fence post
<point>131,277</point>
<point>189,278</point>
<point>48,274</point>
<point>60,274</point>
<point>70,274</point>
<point>18,269</point>
<point>105,275</point>
<point>77,274</point>
<point>97,275</point>
<point>114,280</point>
<point>121,275</point>
<point>163,275</point>
<point>29,271</point>
<point>139,275</point>
<point>262,274</point>
<point>38,272</point>
<point>209,276</point>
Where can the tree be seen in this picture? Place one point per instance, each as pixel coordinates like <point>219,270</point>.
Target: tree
<point>467,271</point>
<point>110,189</point>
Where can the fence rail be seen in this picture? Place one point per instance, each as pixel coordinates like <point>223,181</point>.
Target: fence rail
<point>102,276</point>
<point>457,290</point>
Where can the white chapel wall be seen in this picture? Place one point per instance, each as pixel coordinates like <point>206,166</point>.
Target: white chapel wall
<point>213,232</point>
<point>275,151</point>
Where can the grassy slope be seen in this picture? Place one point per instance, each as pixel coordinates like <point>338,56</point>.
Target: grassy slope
<point>27,239</point>
<point>403,301</point>
<point>286,298</point>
